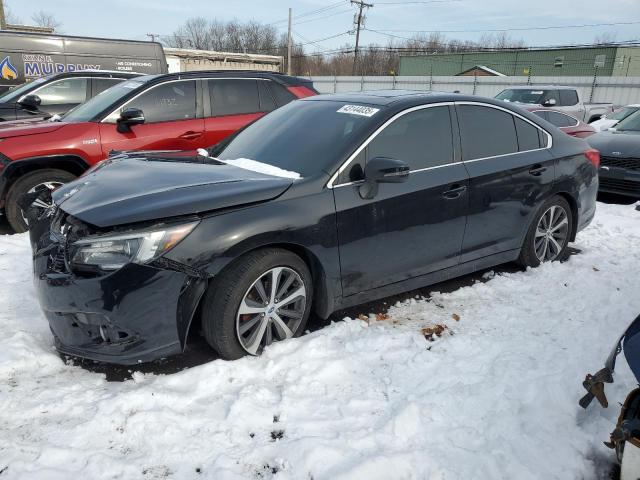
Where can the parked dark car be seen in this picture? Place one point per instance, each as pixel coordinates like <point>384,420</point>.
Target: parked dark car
<point>327,202</point>
<point>175,111</point>
<point>620,162</point>
<point>565,122</point>
<point>56,94</point>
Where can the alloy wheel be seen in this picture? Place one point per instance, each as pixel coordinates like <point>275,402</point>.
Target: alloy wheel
<point>271,309</point>
<point>552,233</point>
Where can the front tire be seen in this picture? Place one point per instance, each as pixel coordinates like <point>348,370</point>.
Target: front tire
<point>548,236</point>
<point>48,177</point>
<point>263,297</point>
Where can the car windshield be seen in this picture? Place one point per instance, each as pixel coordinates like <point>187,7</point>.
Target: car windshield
<point>622,113</point>
<point>16,92</point>
<point>521,95</point>
<point>630,124</point>
<point>88,110</point>
<point>305,137</point>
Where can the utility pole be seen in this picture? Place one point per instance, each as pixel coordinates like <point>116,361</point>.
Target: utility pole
<point>358,23</point>
<point>152,36</point>
<point>289,45</point>
<point>3,21</point>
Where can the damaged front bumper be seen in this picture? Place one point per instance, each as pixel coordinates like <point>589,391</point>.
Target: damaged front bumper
<point>136,314</point>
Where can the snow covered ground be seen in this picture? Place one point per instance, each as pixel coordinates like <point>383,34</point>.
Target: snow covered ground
<point>494,397</point>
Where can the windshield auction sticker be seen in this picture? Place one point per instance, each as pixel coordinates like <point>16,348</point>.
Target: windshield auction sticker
<point>359,110</point>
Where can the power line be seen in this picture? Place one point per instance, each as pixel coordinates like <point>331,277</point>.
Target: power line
<point>517,29</point>
<point>321,18</point>
<point>312,12</point>
<point>418,3</point>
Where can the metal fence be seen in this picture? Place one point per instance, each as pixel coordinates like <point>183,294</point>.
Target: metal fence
<point>616,90</point>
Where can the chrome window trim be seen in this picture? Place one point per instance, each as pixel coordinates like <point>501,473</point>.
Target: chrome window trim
<point>516,114</point>
<point>53,83</point>
<point>124,105</point>
<point>104,120</point>
<point>330,183</point>
<point>343,167</point>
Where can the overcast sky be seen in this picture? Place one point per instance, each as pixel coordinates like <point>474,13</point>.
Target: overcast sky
<point>134,18</point>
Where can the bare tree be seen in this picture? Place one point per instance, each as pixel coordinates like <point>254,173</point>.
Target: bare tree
<point>45,19</point>
<point>10,17</point>
<point>605,38</point>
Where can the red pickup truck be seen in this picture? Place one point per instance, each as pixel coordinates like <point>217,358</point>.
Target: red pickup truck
<point>180,111</point>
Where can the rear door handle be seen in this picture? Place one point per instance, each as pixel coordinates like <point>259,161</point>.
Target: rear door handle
<point>191,135</point>
<point>454,191</point>
<point>537,170</point>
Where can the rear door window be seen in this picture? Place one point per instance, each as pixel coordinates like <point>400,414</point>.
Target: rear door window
<point>486,132</point>
<point>568,98</point>
<point>68,91</point>
<point>233,97</point>
<point>167,102</point>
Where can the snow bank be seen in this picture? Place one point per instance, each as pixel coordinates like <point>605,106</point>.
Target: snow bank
<point>356,400</point>
<point>255,166</point>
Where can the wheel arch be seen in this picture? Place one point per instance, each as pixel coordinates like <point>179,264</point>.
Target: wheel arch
<point>322,302</point>
<point>573,204</point>
<point>74,164</point>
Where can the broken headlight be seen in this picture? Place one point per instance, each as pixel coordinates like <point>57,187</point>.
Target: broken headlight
<point>111,252</point>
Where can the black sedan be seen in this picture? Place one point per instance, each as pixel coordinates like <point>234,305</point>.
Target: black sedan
<point>325,203</point>
<point>620,161</point>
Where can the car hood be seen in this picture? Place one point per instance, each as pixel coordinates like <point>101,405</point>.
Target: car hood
<point>147,186</point>
<point>20,128</point>
<point>616,144</point>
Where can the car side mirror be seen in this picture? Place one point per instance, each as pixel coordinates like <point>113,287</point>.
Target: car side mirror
<point>30,102</point>
<point>128,118</point>
<point>550,102</point>
<point>382,170</point>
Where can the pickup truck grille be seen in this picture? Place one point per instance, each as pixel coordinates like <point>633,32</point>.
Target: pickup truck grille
<point>628,163</point>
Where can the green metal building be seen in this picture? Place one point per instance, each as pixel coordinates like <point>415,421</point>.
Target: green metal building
<point>574,62</point>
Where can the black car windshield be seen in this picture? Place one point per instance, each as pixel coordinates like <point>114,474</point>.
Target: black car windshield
<point>630,124</point>
<point>16,92</point>
<point>522,95</point>
<point>305,137</point>
<point>87,111</point>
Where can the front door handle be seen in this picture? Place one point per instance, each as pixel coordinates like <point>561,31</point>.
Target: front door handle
<point>454,191</point>
<point>191,135</point>
<point>537,170</point>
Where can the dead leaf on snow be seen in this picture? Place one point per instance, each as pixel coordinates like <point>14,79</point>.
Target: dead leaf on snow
<point>435,331</point>
<point>596,269</point>
<point>382,316</point>
<point>456,317</point>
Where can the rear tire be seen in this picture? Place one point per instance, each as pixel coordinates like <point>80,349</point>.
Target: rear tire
<point>548,236</point>
<point>222,320</point>
<point>26,183</point>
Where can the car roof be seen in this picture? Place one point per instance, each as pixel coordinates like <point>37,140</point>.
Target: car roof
<point>400,97</point>
<point>278,77</point>
<point>540,87</point>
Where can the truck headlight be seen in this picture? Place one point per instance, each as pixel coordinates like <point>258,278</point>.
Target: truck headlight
<point>111,252</point>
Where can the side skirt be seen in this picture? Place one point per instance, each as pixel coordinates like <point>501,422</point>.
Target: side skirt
<point>428,279</point>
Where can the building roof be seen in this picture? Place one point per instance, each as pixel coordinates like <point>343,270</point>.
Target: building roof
<point>484,68</point>
<point>222,56</point>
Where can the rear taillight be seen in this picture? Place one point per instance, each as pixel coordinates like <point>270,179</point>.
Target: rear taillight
<point>593,156</point>
<point>301,91</point>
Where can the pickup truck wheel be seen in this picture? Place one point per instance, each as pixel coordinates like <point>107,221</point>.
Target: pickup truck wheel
<point>264,297</point>
<point>49,177</point>
<point>548,236</point>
